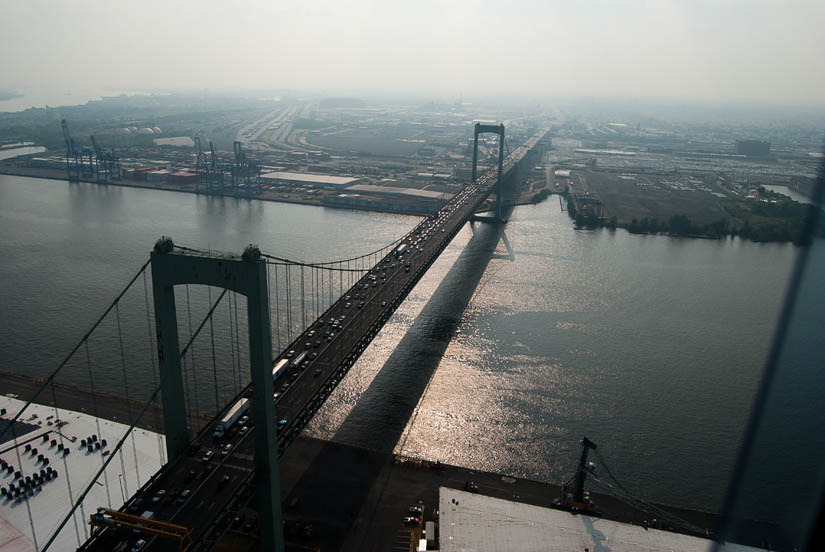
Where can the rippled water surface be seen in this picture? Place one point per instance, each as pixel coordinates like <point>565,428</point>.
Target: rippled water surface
<point>514,345</point>
<point>650,346</point>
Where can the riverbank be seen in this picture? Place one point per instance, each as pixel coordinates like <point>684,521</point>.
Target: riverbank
<point>364,509</point>
<point>101,405</point>
<point>397,206</point>
<point>355,499</point>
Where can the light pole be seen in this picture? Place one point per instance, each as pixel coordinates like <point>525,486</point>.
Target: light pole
<point>122,491</point>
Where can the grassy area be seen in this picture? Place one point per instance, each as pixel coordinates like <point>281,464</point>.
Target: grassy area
<point>639,196</point>
<point>687,205</point>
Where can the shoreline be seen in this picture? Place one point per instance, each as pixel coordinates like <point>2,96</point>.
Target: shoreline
<point>381,480</point>
<point>101,405</point>
<point>276,197</point>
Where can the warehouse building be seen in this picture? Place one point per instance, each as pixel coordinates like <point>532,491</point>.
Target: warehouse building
<point>284,178</point>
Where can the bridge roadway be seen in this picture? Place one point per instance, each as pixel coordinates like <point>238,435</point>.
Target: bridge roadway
<point>223,484</point>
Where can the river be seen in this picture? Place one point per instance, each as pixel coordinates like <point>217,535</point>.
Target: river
<point>510,349</point>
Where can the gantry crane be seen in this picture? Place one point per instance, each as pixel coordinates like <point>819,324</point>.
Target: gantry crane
<point>76,167</point>
<point>216,170</point>
<point>107,164</point>
<point>245,173</point>
<point>201,168</point>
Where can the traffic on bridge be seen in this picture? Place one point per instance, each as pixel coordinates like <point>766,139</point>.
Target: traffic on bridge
<point>200,489</point>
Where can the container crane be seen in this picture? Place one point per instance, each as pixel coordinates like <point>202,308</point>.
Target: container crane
<point>107,164</point>
<point>76,167</point>
<point>245,172</point>
<point>201,167</point>
<point>216,170</point>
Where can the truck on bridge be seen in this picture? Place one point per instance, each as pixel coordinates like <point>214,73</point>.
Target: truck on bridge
<point>232,415</point>
<point>279,369</point>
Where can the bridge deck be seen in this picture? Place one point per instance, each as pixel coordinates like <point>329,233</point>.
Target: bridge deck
<point>224,484</point>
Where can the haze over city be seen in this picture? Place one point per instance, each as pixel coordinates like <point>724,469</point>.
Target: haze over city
<point>763,51</point>
<point>371,275</point>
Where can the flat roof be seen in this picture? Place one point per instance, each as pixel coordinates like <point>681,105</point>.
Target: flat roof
<point>606,151</point>
<point>310,178</point>
<point>391,190</point>
<point>140,460</point>
<point>481,523</point>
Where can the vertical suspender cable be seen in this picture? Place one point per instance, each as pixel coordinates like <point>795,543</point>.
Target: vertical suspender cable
<point>314,292</point>
<point>125,389</point>
<point>303,302</point>
<point>65,461</point>
<point>269,302</point>
<point>277,310</point>
<point>238,344</point>
<point>288,307</point>
<point>235,387</point>
<point>152,353</point>
<point>214,362</point>
<point>97,418</point>
<point>194,390</point>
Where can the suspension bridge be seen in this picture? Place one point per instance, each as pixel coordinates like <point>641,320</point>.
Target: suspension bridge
<point>307,324</point>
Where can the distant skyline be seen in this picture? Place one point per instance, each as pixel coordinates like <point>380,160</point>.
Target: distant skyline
<point>758,51</point>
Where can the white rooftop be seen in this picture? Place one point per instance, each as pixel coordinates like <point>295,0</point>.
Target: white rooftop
<point>429,194</point>
<point>140,459</point>
<point>309,178</point>
<point>472,522</point>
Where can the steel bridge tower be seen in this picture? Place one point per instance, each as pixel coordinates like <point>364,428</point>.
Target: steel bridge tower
<point>245,275</point>
<point>493,129</point>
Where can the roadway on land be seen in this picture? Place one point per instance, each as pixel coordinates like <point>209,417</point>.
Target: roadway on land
<point>338,337</point>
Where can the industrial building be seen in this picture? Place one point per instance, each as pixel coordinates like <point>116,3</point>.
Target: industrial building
<point>74,464</point>
<point>470,521</point>
<point>299,179</point>
<point>427,195</point>
<point>753,148</point>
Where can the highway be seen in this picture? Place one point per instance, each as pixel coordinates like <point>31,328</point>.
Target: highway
<point>223,482</point>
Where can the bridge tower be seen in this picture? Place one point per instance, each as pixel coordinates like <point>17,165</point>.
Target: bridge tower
<point>494,129</point>
<point>245,275</point>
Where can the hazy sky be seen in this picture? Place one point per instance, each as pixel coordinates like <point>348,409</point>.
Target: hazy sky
<point>758,50</point>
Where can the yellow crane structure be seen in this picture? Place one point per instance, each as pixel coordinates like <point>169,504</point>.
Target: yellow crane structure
<point>104,517</point>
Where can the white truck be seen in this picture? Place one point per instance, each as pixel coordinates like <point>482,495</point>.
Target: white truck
<point>279,369</point>
<point>232,415</point>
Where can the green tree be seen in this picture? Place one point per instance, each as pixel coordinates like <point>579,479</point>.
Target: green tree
<point>680,225</point>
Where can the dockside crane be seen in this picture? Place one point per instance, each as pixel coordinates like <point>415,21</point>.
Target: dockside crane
<point>201,168</point>
<point>107,164</point>
<point>76,167</point>
<point>245,173</point>
<point>216,170</point>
